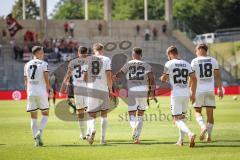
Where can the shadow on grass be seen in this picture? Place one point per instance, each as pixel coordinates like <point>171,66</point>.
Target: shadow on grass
<point>2,144</point>
<point>227,140</point>
<point>220,143</point>
<point>79,145</point>
<point>217,145</point>
<point>143,142</point>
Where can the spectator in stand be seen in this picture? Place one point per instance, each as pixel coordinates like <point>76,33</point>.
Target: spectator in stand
<point>29,36</point>
<point>66,27</point>
<point>71,28</point>
<point>155,33</point>
<point>100,28</point>
<point>18,52</point>
<point>164,28</point>
<point>4,35</point>
<point>0,49</point>
<point>138,29</point>
<point>147,34</point>
<point>89,51</point>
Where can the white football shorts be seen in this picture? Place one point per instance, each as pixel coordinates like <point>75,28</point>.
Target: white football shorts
<point>179,105</point>
<point>205,99</point>
<point>37,102</point>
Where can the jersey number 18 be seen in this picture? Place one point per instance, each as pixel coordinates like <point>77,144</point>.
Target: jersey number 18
<point>205,70</point>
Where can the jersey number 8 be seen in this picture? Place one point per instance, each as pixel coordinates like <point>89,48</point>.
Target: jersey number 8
<point>95,67</point>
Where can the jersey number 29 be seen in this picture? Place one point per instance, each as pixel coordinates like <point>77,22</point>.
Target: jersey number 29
<point>180,75</point>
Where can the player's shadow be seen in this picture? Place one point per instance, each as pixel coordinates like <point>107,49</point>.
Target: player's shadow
<point>218,146</point>
<point>226,143</point>
<point>2,144</point>
<point>143,142</point>
<point>227,140</point>
<point>79,145</point>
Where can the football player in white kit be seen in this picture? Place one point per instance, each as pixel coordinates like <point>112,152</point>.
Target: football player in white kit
<point>37,85</point>
<point>206,69</point>
<point>75,70</point>
<point>141,85</point>
<point>178,72</point>
<point>98,75</point>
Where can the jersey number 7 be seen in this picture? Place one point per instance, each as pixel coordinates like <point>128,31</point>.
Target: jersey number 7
<point>33,68</point>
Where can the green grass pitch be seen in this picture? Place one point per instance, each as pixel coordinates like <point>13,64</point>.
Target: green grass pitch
<point>158,136</point>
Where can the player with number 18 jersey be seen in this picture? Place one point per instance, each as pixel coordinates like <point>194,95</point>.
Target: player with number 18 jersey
<point>204,68</point>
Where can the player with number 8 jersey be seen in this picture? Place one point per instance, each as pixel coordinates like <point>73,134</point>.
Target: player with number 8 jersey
<point>98,75</point>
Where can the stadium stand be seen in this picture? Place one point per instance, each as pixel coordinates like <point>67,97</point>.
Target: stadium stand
<point>122,38</point>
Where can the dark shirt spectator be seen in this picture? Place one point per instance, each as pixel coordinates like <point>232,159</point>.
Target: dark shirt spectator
<point>164,28</point>
<point>155,33</point>
<point>4,33</point>
<point>138,29</point>
<point>18,52</point>
<point>147,34</point>
<point>71,29</point>
<point>100,28</point>
<point>66,26</point>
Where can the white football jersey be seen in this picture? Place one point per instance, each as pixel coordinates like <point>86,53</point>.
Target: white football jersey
<point>204,68</point>
<point>34,72</point>
<point>96,67</point>
<point>178,71</point>
<point>137,75</point>
<point>77,66</point>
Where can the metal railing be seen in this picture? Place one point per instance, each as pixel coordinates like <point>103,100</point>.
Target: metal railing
<point>234,70</point>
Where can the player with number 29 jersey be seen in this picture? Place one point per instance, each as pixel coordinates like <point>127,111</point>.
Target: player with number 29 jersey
<point>178,71</point>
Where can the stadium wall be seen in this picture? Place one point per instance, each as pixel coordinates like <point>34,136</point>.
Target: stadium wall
<point>21,95</point>
<point>55,29</point>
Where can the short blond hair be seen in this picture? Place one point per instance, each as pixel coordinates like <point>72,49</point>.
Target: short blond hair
<point>172,49</point>
<point>202,46</point>
<point>98,46</point>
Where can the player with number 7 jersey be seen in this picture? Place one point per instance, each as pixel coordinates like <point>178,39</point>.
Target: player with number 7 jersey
<point>37,83</point>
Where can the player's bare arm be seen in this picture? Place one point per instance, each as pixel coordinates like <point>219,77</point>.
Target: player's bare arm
<point>217,75</point>
<point>109,82</point>
<point>46,78</point>
<point>118,75</point>
<point>164,78</point>
<point>85,76</point>
<point>65,82</point>
<point>193,86</point>
<point>189,82</point>
<point>152,85</point>
<point>25,81</point>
